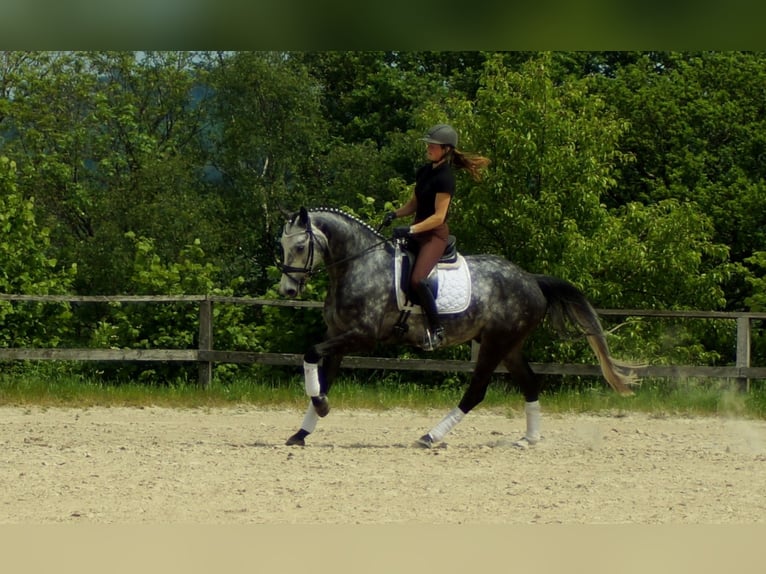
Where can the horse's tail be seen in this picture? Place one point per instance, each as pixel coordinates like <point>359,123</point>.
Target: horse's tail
<point>565,301</point>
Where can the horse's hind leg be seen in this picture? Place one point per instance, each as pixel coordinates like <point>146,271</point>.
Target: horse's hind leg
<point>521,373</point>
<point>490,355</point>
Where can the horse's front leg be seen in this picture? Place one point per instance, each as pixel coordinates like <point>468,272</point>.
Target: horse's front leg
<point>317,381</point>
<point>320,367</point>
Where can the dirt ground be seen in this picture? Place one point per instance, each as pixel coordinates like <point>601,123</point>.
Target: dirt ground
<point>230,466</point>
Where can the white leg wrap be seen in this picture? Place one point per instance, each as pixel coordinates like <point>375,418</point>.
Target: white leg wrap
<point>310,420</point>
<point>311,377</point>
<point>447,424</point>
<point>532,410</point>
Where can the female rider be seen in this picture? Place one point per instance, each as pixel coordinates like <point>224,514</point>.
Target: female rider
<point>430,202</point>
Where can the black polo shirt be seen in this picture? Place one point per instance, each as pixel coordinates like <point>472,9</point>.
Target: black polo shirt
<point>428,182</point>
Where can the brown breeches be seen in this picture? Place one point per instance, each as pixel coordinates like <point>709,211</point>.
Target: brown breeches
<point>432,244</point>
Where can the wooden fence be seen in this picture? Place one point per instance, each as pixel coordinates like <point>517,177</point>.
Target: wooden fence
<point>205,355</point>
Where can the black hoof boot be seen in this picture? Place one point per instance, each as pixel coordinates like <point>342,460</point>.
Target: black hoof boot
<point>321,405</point>
<point>425,441</point>
<point>298,439</point>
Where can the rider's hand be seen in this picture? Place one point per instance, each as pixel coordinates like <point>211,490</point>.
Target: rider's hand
<point>390,216</point>
<point>401,232</point>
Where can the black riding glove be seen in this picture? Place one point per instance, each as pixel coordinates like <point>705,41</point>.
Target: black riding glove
<point>390,216</point>
<point>401,232</point>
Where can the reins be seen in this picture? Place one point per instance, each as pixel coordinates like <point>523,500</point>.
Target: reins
<point>356,255</point>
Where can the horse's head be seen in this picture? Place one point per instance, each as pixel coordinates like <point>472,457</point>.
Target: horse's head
<point>300,253</point>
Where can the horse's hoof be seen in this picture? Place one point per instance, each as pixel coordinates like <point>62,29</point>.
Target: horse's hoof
<point>425,441</point>
<point>321,405</point>
<point>298,439</point>
<point>526,442</point>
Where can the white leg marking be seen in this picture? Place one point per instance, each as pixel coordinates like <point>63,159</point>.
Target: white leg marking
<point>310,420</point>
<point>447,424</point>
<point>311,378</point>
<point>532,436</point>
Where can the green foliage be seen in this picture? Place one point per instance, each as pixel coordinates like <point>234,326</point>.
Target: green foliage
<point>757,301</point>
<point>655,256</point>
<point>28,266</point>
<point>266,142</point>
<point>109,143</point>
<point>347,175</point>
<point>697,134</point>
<point>174,325</point>
<point>366,95</point>
<point>553,151</point>
<point>288,330</point>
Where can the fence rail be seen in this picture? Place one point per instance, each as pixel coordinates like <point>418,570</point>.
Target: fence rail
<point>206,355</point>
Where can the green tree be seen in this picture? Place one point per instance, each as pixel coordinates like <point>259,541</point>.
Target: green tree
<point>553,155</point>
<point>365,96</point>
<point>28,267</point>
<point>660,256</point>
<point>173,325</point>
<point>109,142</point>
<point>698,134</point>
<point>757,301</point>
<point>267,139</point>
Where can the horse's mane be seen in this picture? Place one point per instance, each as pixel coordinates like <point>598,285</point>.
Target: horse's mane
<point>348,216</point>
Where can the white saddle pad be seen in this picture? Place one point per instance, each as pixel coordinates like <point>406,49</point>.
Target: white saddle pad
<point>454,294</point>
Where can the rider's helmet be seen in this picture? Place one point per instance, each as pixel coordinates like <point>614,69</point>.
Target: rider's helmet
<point>441,134</point>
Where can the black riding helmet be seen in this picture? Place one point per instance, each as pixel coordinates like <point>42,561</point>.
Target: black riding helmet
<point>442,134</point>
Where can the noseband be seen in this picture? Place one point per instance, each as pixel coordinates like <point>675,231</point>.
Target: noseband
<point>307,270</point>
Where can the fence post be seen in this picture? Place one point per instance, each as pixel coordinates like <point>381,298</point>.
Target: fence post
<point>743,350</point>
<point>205,340</point>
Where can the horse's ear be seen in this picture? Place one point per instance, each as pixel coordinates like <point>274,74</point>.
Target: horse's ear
<point>304,217</point>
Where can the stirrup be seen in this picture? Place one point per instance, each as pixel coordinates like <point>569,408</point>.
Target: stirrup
<point>433,340</point>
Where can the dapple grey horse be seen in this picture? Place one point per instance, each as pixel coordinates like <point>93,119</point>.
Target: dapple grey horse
<point>506,305</point>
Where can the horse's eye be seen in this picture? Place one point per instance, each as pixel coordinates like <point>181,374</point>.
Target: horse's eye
<point>300,248</point>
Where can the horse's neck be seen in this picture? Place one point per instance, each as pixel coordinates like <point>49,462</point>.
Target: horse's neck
<point>345,237</point>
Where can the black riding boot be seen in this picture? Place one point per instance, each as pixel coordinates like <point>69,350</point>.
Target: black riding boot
<point>434,332</point>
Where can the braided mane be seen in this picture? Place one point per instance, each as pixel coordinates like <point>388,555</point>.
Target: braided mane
<point>348,216</point>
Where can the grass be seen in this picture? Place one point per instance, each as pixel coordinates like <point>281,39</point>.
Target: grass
<point>34,386</point>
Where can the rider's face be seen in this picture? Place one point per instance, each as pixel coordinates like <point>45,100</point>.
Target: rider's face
<point>434,152</point>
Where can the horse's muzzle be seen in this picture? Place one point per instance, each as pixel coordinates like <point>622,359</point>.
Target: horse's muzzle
<point>289,292</point>
<point>289,287</point>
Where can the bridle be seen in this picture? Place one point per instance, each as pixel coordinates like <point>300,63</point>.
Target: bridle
<point>308,269</point>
